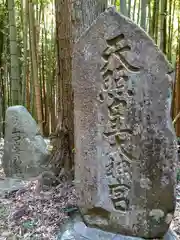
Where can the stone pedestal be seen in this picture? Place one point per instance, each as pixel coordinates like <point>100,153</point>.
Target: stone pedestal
<point>79,231</point>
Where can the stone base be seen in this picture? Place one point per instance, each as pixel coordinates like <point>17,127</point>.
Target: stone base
<point>79,231</point>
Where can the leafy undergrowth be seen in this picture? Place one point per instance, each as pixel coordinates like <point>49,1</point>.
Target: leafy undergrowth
<point>33,213</point>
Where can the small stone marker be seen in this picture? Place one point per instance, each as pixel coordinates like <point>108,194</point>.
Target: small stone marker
<point>125,141</point>
<point>25,153</point>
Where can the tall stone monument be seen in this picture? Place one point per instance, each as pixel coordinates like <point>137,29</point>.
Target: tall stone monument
<point>125,142</point>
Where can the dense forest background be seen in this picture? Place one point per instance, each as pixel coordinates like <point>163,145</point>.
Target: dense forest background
<point>36,52</point>
<point>36,44</point>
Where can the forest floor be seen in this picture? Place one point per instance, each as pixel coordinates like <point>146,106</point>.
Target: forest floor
<point>176,221</point>
<point>37,213</point>
<point>33,211</point>
<point>28,214</point>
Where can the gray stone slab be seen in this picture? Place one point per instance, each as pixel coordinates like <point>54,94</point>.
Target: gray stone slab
<point>25,151</point>
<point>79,231</point>
<point>125,142</point>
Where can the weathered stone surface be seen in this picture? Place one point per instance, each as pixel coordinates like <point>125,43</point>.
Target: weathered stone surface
<point>79,231</point>
<point>125,142</point>
<point>9,185</point>
<point>25,153</point>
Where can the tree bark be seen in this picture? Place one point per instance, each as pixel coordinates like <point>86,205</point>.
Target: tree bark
<point>156,31</point>
<point>123,8</point>
<point>143,14</point>
<point>84,14</point>
<point>38,103</point>
<point>177,83</point>
<point>15,74</point>
<point>163,25</point>
<point>25,38</point>
<point>129,8</point>
<point>72,19</point>
<point>134,10</point>
<point>64,143</point>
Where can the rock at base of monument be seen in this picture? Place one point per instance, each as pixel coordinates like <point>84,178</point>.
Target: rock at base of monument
<point>79,231</point>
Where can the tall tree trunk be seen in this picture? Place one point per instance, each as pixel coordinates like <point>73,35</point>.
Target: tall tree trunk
<point>153,19</point>
<point>35,69</point>
<point>177,83</point>
<point>169,30</point>
<point>85,13</point>
<point>28,99</point>
<point>2,15</point>
<point>63,156</point>
<point>2,18</point>
<point>156,22</point>
<point>129,8</point>
<point>134,10</point>
<point>123,8</point>
<point>171,27</point>
<point>70,24</point>
<point>138,13</point>
<point>163,25</point>
<point>25,33</point>
<point>15,74</point>
<point>143,14</point>
<point>149,17</point>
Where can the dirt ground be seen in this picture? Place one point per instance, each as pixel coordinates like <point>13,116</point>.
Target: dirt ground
<point>33,213</point>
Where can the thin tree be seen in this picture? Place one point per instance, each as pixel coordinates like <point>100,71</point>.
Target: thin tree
<point>172,4</point>
<point>85,13</point>
<point>138,13</point>
<point>15,74</point>
<point>129,8</point>
<point>156,30</point>
<point>25,45</point>
<point>163,25</point>
<point>134,10</point>
<point>2,102</point>
<point>153,19</point>
<point>123,7</point>
<point>34,62</point>
<point>176,101</point>
<point>62,157</point>
<point>143,14</point>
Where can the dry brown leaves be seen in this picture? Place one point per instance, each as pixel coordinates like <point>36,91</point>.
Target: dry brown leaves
<point>38,215</point>
<point>176,221</point>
